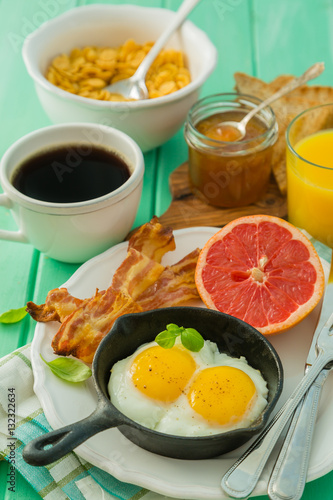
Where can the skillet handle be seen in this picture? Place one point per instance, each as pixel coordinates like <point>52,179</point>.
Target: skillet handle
<point>67,438</point>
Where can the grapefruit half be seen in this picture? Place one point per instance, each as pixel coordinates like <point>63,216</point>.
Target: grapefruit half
<point>262,270</point>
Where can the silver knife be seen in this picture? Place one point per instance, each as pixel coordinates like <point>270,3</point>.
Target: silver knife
<point>288,477</point>
<point>241,479</point>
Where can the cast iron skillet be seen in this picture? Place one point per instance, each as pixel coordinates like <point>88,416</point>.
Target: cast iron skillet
<point>130,331</point>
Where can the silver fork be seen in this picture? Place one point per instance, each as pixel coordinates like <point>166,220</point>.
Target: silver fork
<point>289,474</point>
<point>288,477</point>
<point>241,479</point>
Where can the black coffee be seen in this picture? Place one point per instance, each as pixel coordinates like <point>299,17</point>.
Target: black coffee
<point>69,174</point>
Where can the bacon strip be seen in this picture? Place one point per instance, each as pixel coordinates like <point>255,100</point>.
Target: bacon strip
<point>140,283</point>
<point>153,240</point>
<point>136,273</point>
<point>175,285</point>
<point>82,331</point>
<point>59,303</point>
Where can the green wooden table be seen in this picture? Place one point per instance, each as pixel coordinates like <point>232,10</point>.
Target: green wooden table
<point>260,37</point>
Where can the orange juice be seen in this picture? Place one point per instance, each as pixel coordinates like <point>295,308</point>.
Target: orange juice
<point>310,185</point>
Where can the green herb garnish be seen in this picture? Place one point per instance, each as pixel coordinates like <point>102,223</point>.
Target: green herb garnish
<point>190,338</point>
<point>69,369</point>
<point>13,315</point>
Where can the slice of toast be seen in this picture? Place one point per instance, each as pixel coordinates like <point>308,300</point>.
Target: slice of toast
<point>285,109</point>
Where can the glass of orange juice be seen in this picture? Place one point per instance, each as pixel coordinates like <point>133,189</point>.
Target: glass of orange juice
<point>310,172</point>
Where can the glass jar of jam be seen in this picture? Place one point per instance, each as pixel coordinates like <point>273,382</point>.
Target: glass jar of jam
<point>226,171</point>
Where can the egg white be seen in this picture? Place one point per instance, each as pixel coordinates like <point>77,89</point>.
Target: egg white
<point>178,418</point>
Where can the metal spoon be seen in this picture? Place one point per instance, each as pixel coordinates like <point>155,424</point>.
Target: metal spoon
<point>135,86</point>
<point>241,479</point>
<point>289,474</point>
<point>240,127</point>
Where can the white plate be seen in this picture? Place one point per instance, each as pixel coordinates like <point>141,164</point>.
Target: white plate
<point>64,403</point>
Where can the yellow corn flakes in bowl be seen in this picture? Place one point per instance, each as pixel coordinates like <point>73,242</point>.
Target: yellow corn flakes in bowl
<point>87,71</point>
<point>72,57</point>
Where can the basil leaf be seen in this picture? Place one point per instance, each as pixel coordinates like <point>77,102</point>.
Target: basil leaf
<point>166,339</point>
<point>175,329</point>
<point>69,369</point>
<point>191,339</point>
<point>13,315</point>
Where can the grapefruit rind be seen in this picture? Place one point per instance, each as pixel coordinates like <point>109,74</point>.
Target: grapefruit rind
<point>227,275</point>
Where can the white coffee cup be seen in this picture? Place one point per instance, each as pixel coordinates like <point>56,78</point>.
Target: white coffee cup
<point>72,232</point>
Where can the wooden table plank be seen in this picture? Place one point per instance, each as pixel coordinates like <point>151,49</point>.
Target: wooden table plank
<point>290,36</point>
<point>20,113</point>
<point>23,490</point>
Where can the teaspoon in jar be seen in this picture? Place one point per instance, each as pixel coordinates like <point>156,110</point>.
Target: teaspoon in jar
<point>235,131</point>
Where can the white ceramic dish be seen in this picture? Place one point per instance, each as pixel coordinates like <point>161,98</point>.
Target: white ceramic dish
<point>65,403</point>
<point>72,232</point>
<point>149,122</point>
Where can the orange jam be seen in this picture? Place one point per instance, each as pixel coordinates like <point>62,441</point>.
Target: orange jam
<point>224,170</point>
<point>219,131</point>
<point>213,127</point>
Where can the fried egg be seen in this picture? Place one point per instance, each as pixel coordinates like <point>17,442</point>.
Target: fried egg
<point>184,393</point>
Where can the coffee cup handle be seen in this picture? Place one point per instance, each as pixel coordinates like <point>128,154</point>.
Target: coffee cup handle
<point>10,235</point>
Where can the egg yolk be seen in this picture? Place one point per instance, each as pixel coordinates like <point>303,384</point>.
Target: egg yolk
<point>222,394</point>
<point>162,374</point>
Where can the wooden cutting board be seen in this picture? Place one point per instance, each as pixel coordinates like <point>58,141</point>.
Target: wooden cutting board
<point>186,210</point>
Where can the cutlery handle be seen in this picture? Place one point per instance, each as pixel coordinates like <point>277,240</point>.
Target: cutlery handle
<point>289,474</point>
<point>241,479</point>
<point>184,10</point>
<point>312,72</point>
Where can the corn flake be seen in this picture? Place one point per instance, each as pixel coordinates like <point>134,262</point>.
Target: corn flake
<point>88,70</point>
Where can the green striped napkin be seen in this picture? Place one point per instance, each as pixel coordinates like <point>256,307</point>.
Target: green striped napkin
<point>70,477</point>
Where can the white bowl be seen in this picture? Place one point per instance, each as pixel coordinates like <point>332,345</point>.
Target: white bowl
<point>149,122</point>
